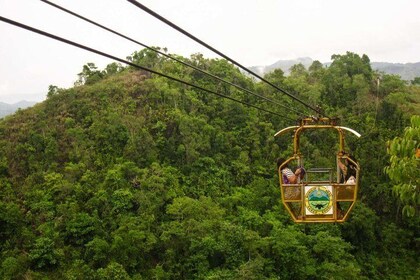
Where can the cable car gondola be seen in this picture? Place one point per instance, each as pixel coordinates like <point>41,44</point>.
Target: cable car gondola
<point>321,195</point>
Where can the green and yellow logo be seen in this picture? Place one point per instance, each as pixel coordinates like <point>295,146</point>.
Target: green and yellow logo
<point>318,200</point>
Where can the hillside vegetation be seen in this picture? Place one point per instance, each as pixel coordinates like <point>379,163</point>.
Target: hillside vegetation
<point>132,176</point>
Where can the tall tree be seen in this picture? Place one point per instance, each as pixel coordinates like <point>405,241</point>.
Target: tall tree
<point>404,168</point>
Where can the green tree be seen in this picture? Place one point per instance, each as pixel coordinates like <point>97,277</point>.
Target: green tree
<point>334,258</point>
<point>10,268</point>
<point>390,83</point>
<point>298,70</point>
<point>80,229</point>
<point>145,57</point>
<point>416,81</point>
<point>52,90</point>
<point>114,271</point>
<point>89,75</point>
<point>44,254</point>
<point>97,252</point>
<point>276,77</point>
<point>341,82</point>
<point>316,72</point>
<point>112,69</point>
<point>404,168</point>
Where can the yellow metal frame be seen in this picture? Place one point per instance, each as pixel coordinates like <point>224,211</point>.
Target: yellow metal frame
<point>341,193</point>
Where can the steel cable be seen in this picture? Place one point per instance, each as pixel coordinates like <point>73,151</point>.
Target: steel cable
<point>52,36</point>
<point>176,27</point>
<point>171,57</point>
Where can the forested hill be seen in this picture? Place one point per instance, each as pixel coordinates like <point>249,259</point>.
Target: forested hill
<point>132,176</point>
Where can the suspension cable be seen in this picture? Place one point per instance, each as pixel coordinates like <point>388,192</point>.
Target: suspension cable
<point>176,27</point>
<point>171,57</point>
<point>18,24</point>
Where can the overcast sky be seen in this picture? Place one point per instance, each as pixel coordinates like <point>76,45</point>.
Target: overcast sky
<point>253,32</point>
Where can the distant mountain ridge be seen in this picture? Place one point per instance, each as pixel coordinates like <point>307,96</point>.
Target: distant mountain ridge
<point>8,109</point>
<point>407,71</point>
<point>283,65</point>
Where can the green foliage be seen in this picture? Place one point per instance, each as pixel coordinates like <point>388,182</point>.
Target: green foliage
<point>334,257</point>
<point>89,74</point>
<point>416,81</point>
<point>276,77</point>
<point>132,176</point>
<point>347,76</point>
<point>114,271</point>
<point>44,254</point>
<point>404,169</point>
<point>10,222</point>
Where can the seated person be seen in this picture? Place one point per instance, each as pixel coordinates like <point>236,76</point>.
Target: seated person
<point>290,177</point>
<point>348,175</point>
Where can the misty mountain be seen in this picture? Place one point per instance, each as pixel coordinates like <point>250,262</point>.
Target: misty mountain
<point>8,109</point>
<point>283,65</point>
<point>407,71</point>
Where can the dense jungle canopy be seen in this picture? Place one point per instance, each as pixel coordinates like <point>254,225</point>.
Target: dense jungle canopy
<point>128,175</point>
